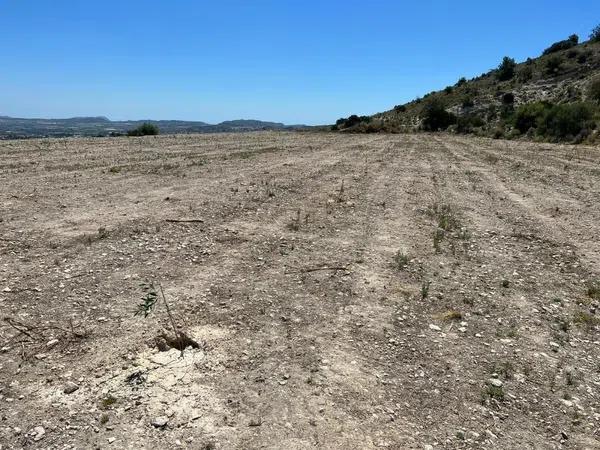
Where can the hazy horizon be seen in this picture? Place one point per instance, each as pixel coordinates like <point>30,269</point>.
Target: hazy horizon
<point>296,63</point>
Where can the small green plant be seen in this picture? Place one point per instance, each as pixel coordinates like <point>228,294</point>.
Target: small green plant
<point>294,225</point>
<point>425,289</point>
<point>149,301</point>
<point>401,260</point>
<point>493,392</point>
<point>586,319</point>
<point>438,237</point>
<point>593,290</point>
<point>108,401</point>
<point>503,368</point>
<point>450,315</point>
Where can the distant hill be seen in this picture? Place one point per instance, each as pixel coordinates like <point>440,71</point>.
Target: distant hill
<point>555,96</point>
<point>11,127</point>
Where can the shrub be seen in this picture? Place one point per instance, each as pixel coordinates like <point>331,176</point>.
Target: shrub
<point>528,116</point>
<point>506,69</point>
<point>399,108</point>
<point>465,124</point>
<point>435,116</point>
<point>467,102</point>
<point>508,98</point>
<point>448,89</point>
<point>351,121</point>
<point>145,129</point>
<point>595,35</point>
<point>594,90</point>
<point>566,121</point>
<point>583,57</point>
<point>461,81</point>
<point>525,74</point>
<point>553,64</point>
<point>562,45</point>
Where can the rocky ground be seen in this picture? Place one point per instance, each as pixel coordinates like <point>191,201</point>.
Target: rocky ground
<point>345,291</point>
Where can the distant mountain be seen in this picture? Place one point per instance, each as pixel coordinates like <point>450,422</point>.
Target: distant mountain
<point>11,127</point>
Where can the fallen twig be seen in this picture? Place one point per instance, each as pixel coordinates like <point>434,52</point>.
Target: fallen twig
<point>315,269</point>
<point>185,220</point>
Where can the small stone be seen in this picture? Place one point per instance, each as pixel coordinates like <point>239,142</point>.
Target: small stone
<point>38,433</point>
<point>7,289</point>
<point>255,422</point>
<point>434,327</point>
<point>160,421</point>
<point>495,382</point>
<point>52,343</point>
<point>111,440</point>
<point>70,387</point>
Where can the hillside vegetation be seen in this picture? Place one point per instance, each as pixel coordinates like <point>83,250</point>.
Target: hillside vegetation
<point>554,97</point>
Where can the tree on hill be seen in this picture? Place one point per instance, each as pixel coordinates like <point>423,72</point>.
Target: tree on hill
<point>595,36</point>
<point>506,69</point>
<point>435,116</point>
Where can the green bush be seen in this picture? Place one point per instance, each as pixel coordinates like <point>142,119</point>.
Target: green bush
<point>566,121</point>
<point>594,90</point>
<point>560,122</point>
<point>562,45</point>
<point>145,129</point>
<point>461,81</point>
<point>435,117</point>
<point>351,121</point>
<point>467,102</point>
<point>399,108</point>
<point>528,116</point>
<point>525,74</point>
<point>553,65</point>
<point>465,124</point>
<point>508,98</point>
<point>506,69</point>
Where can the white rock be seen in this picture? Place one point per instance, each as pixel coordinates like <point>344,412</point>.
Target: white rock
<point>434,327</point>
<point>160,421</point>
<point>495,382</point>
<point>38,433</point>
<point>52,343</point>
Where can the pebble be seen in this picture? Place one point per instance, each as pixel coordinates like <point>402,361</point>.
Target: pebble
<point>37,433</point>
<point>160,421</point>
<point>434,327</point>
<point>52,343</point>
<point>70,387</point>
<point>111,440</point>
<point>495,382</point>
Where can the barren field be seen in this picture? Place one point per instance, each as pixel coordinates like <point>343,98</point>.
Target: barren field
<point>346,292</point>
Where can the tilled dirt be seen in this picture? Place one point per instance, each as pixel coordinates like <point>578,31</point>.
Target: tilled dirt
<point>346,292</point>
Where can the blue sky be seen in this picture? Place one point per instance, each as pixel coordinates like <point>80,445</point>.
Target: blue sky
<point>291,61</point>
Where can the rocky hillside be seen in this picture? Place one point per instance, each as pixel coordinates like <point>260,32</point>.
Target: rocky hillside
<point>552,97</point>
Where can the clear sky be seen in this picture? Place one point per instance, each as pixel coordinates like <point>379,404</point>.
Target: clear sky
<point>291,61</point>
